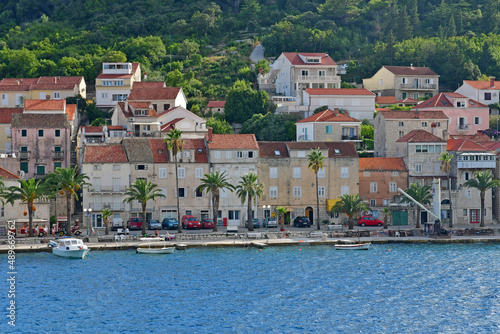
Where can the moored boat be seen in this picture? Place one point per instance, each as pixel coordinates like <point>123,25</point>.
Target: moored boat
<point>69,247</point>
<point>149,250</point>
<point>365,246</point>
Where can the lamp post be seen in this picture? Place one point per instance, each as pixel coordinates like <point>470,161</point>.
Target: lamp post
<point>268,207</point>
<point>87,213</point>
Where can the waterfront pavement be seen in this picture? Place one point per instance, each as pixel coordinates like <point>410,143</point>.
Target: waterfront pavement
<point>259,238</point>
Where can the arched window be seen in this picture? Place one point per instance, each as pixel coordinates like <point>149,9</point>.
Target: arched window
<point>445,201</point>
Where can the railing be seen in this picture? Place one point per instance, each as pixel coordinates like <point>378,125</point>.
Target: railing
<point>94,140</point>
<point>350,137</point>
<point>40,176</point>
<point>96,207</point>
<point>463,126</point>
<point>23,155</point>
<point>325,78</point>
<point>419,86</point>
<point>120,189</point>
<point>57,155</point>
<point>303,137</point>
<point>476,164</point>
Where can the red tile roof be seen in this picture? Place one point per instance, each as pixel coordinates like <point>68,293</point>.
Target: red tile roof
<point>159,149</point>
<point>409,100</point>
<point>38,120</point>
<point>419,136</point>
<point>338,91</point>
<point>329,116</point>
<point>344,150</point>
<point>483,84</point>
<point>464,145</point>
<point>153,94</point>
<point>294,58</point>
<point>268,149</point>
<point>410,70</point>
<point>445,100</point>
<point>92,129</point>
<point>382,164</point>
<point>200,153</point>
<point>478,138</point>
<point>105,153</point>
<point>119,76</point>
<point>30,104</point>
<point>385,99</point>
<point>170,125</point>
<point>140,105</point>
<point>233,141</point>
<point>216,104</point>
<point>6,175</point>
<point>18,81</point>
<point>6,114</point>
<point>51,83</point>
<point>149,84</point>
<point>413,114</point>
<point>71,110</point>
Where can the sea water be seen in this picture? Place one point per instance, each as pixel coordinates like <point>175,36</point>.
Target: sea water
<point>414,288</point>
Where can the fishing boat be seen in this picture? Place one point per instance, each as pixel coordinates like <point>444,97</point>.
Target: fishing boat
<point>149,250</point>
<point>69,247</point>
<point>365,246</point>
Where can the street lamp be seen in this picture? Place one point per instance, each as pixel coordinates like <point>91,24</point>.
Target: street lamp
<point>268,207</point>
<point>87,213</point>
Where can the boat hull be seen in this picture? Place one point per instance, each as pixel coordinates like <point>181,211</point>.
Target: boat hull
<point>74,254</point>
<point>353,247</point>
<point>165,250</point>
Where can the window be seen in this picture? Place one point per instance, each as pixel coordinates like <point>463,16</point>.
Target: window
<point>321,173</point>
<point>40,133</point>
<point>162,173</point>
<point>344,172</point>
<point>403,95</point>
<point>424,124</point>
<point>344,190</point>
<point>418,168</point>
<point>297,191</point>
<point>273,192</point>
<point>301,154</point>
<point>181,173</point>
<point>57,165</point>
<point>418,148</point>
<point>321,191</point>
<point>461,104</point>
<point>415,96</point>
<point>367,174</point>
<point>239,154</point>
<point>328,129</point>
<point>116,167</point>
<point>40,169</point>
<point>181,192</point>
<point>250,154</point>
<point>438,124</point>
<point>97,167</point>
<point>24,133</point>
<point>438,148</point>
<point>57,133</point>
<point>427,81</point>
<point>297,173</point>
<point>395,173</point>
<point>477,120</point>
<point>321,73</point>
<point>104,95</point>
<point>465,212</point>
<point>487,96</point>
<point>373,187</point>
<point>373,202</point>
<point>305,73</point>
<point>163,191</point>
<point>141,167</point>
<point>401,123</point>
<point>381,82</point>
<point>57,95</point>
<point>198,173</point>
<point>217,155</point>
<point>466,176</point>
<point>229,154</point>
<point>273,172</point>
<point>198,193</point>
<point>401,134</point>
<point>393,187</point>
<point>119,97</point>
<point>166,106</point>
<point>403,80</point>
<point>24,167</point>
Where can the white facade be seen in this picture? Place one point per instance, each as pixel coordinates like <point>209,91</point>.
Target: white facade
<point>485,95</point>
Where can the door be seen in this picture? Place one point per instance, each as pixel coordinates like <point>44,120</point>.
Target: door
<point>116,184</point>
<point>400,218</point>
<point>97,220</point>
<point>415,83</point>
<point>474,216</point>
<point>310,214</point>
<point>233,218</point>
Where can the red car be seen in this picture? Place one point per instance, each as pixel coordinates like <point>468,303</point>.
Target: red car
<point>207,223</point>
<point>369,221</point>
<point>190,222</point>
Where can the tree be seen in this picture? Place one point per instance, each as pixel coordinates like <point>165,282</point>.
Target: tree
<point>249,188</point>
<point>387,213</point>
<point>242,102</point>
<point>315,160</point>
<point>68,182</point>
<point>27,193</point>
<point>271,127</point>
<point>446,167</point>
<point>213,183</point>
<point>174,143</point>
<point>421,194</point>
<point>281,214</point>
<point>344,10</point>
<point>106,213</point>
<point>219,126</point>
<point>351,206</point>
<point>482,181</point>
<point>143,191</point>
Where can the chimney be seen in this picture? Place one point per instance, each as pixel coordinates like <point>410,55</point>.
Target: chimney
<point>492,81</point>
<point>209,135</point>
<point>55,79</point>
<point>145,76</point>
<point>411,66</point>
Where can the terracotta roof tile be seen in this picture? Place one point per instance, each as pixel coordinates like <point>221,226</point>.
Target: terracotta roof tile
<point>419,136</point>
<point>216,104</point>
<point>105,153</point>
<point>329,116</point>
<point>159,150</point>
<point>92,129</point>
<point>306,145</point>
<point>382,164</point>
<point>70,111</point>
<point>154,94</point>
<point>409,100</point>
<point>386,100</point>
<point>339,91</point>
<point>478,138</point>
<point>407,70</point>
<point>341,150</point>
<point>6,175</point>
<point>6,114</point>
<point>170,125</point>
<point>445,100</point>
<point>67,83</point>
<point>413,114</point>
<point>47,121</point>
<point>268,149</point>
<point>464,145</point>
<point>483,84</point>
<point>200,153</point>
<point>294,58</point>
<point>233,141</point>
<point>138,150</point>
<point>149,84</point>
<point>30,104</point>
<point>18,81</point>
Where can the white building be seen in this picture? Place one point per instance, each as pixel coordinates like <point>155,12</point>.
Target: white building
<point>485,92</point>
<point>115,83</point>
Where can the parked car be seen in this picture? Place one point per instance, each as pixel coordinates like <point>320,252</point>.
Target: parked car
<point>135,223</point>
<point>270,222</point>
<point>255,222</point>
<point>169,224</point>
<point>190,222</point>
<point>301,221</point>
<point>207,223</point>
<point>154,224</point>
<point>369,221</point>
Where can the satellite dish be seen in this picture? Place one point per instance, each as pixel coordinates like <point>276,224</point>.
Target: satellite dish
<point>151,106</point>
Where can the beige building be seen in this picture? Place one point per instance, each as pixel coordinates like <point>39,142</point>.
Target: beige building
<point>403,82</point>
<point>115,82</point>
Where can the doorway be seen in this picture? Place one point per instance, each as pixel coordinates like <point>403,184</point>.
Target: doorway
<point>310,214</point>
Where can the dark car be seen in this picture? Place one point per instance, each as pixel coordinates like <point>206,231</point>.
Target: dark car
<point>154,224</point>
<point>255,222</point>
<point>369,221</point>
<point>169,224</point>
<point>301,221</point>
<point>207,223</point>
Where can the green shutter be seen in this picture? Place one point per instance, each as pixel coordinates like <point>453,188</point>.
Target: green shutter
<point>40,170</point>
<point>24,167</point>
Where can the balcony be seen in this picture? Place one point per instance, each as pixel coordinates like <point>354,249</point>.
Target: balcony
<point>96,207</point>
<point>317,78</point>
<point>23,155</point>
<point>413,86</point>
<point>303,137</point>
<point>93,140</point>
<point>57,155</point>
<point>110,190</point>
<point>39,176</point>
<point>350,138</point>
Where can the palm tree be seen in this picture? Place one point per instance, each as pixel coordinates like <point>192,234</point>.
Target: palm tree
<point>387,213</point>
<point>105,215</point>
<point>446,167</point>
<point>68,182</point>
<point>249,189</point>
<point>315,160</point>
<point>281,214</point>
<point>213,183</point>
<point>142,191</point>
<point>482,181</point>
<point>421,194</point>
<point>27,192</point>
<point>174,143</point>
<point>351,205</point>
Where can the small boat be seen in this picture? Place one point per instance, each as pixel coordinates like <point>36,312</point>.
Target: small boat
<point>149,250</point>
<point>69,247</point>
<point>354,246</point>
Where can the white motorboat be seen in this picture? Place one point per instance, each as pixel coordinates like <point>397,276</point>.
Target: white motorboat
<point>69,247</point>
<point>149,250</point>
<point>365,246</point>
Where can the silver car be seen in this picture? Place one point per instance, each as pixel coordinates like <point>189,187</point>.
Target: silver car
<point>270,222</point>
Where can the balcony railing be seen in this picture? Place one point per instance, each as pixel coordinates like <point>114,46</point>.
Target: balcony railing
<point>40,176</point>
<point>419,86</point>
<point>303,137</point>
<point>463,126</point>
<point>57,155</point>
<point>94,140</point>
<point>23,155</point>
<point>476,164</point>
<point>120,189</point>
<point>318,78</point>
<point>96,207</point>
<point>350,137</point>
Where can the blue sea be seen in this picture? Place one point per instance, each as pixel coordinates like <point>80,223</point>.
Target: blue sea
<point>417,288</point>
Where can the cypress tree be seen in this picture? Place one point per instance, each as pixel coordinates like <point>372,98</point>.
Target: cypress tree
<point>452,28</point>
<point>404,25</point>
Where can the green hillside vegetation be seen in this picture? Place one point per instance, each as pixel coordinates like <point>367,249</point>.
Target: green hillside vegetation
<point>203,46</point>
